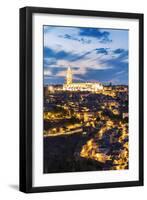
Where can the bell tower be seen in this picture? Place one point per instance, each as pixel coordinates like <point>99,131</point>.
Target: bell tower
<point>69,76</point>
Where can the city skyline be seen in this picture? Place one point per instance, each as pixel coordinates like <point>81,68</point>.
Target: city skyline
<point>94,54</point>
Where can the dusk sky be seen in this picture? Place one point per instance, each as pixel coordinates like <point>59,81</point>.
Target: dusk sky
<point>94,54</point>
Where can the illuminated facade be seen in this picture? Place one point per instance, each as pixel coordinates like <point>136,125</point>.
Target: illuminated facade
<point>87,86</point>
<point>69,76</point>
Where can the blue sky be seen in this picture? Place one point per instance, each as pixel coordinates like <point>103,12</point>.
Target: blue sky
<point>94,54</point>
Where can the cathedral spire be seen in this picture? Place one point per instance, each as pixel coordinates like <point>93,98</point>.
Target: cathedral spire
<point>69,76</point>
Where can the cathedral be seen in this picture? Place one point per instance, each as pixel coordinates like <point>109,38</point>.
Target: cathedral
<point>77,86</point>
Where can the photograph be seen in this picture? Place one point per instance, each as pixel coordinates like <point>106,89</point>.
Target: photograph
<point>85,99</point>
<point>81,99</point>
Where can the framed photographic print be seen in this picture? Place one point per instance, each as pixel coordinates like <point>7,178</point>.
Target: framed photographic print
<point>81,99</point>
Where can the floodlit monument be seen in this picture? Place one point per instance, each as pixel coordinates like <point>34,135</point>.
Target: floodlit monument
<point>79,86</point>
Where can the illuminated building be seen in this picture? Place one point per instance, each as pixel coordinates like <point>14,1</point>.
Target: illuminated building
<point>87,86</point>
<point>69,76</point>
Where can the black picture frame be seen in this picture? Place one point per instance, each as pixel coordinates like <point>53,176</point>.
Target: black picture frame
<point>26,73</point>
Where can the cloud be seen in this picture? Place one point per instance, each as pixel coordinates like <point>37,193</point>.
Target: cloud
<point>51,56</point>
<point>96,59</point>
<point>116,62</point>
<point>102,51</point>
<point>82,56</point>
<point>76,38</point>
<point>48,52</point>
<point>93,54</point>
<point>61,54</point>
<point>120,73</point>
<point>102,36</point>
<point>121,54</point>
<point>49,61</point>
<point>47,72</point>
<point>47,29</point>
<point>119,51</point>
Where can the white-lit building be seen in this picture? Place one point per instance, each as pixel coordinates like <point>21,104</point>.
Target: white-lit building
<point>79,86</point>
